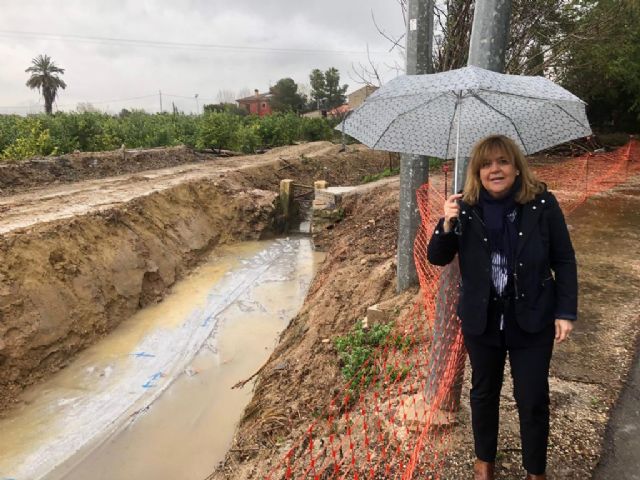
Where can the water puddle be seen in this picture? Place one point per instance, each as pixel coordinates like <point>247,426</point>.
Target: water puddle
<point>154,398</point>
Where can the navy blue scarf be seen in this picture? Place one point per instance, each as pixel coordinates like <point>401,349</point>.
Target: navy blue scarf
<point>500,220</point>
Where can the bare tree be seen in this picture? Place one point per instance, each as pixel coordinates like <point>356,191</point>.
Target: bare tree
<point>86,107</point>
<point>453,20</point>
<point>304,89</point>
<point>367,74</point>
<point>245,92</point>
<point>226,96</point>
<point>542,34</point>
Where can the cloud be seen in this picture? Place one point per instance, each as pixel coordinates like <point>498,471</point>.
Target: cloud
<point>101,70</point>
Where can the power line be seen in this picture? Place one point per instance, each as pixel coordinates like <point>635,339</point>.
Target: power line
<point>173,45</point>
<point>178,96</point>
<point>102,102</point>
<point>121,99</point>
<point>98,102</point>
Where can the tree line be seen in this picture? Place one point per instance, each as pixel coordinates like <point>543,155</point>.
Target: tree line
<point>326,90</point>
<point>60,133</point>
<point>591,47</point>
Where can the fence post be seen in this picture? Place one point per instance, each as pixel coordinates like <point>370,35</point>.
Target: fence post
<point>286,200</point>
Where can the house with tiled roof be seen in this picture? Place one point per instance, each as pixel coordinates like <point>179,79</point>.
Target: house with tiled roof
<point>256,104</point>
<point>354,100</point>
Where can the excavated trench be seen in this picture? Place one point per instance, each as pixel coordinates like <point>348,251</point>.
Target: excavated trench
<point>68,281</point>
<point>154,397</point>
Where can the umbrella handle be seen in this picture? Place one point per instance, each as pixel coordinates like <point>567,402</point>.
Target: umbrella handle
<point>457,225</point>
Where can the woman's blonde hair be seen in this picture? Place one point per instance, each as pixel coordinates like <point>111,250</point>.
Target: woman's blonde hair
<point>472,185</point>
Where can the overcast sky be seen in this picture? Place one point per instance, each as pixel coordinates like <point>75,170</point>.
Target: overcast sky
<point>260,41</point>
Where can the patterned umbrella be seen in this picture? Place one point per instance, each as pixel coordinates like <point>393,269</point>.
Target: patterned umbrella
<point>444,114</point>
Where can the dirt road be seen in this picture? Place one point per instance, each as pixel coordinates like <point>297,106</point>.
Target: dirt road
<point>49,203</point>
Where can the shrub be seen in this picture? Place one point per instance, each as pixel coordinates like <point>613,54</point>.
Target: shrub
<point>314,129</point>
<point>356,352</point>
<point>217,130</point>
<point>8,130</point>
<point>246,139</point>
<point>279,129</point>
<point>33,140</point>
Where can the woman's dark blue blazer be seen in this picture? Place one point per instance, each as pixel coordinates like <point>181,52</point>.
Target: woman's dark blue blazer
<point>545,279</point>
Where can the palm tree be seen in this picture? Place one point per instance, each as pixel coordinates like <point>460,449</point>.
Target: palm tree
<point>44,77</point>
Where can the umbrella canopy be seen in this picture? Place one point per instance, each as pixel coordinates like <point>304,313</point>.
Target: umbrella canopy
<point>442,113</point>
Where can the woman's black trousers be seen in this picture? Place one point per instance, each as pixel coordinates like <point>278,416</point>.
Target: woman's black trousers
<point>530,373</point>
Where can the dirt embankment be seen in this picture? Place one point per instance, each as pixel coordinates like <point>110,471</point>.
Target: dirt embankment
<point>74,167</point>
<point>68,281</point>
<point>299,380</point>
<point>303,374</point>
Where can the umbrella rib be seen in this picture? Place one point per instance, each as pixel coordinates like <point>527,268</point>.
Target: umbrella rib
<point>568,114</point>
<point>482,100</point>
<point>480,90</point>
<point>403,114</point>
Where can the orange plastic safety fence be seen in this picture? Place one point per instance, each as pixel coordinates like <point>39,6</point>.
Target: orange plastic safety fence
<point>397,422</point>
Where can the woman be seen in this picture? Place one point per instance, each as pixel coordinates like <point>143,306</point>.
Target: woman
<point>518,292</point>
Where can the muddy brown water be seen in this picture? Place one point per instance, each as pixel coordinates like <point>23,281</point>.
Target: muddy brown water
<point>154,399</point>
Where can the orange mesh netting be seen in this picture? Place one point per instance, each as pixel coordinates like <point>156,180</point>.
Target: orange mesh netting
<point>396,422</point>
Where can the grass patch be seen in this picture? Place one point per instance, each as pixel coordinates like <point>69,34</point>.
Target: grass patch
<point>435,164</point>
<point>387,172</point>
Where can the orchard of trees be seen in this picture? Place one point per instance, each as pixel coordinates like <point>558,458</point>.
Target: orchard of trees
<point>60,133</point>
<point>222,126</point>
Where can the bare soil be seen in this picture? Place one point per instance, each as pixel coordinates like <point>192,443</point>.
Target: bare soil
<point>75,167</point>
<point>77,259</point>
<point>302,374</point>
<point>587,372</point>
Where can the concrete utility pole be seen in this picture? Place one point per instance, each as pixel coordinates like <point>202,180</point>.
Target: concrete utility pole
<point>489,39</point>
<point>414,169</point>
<point>488,46</point>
